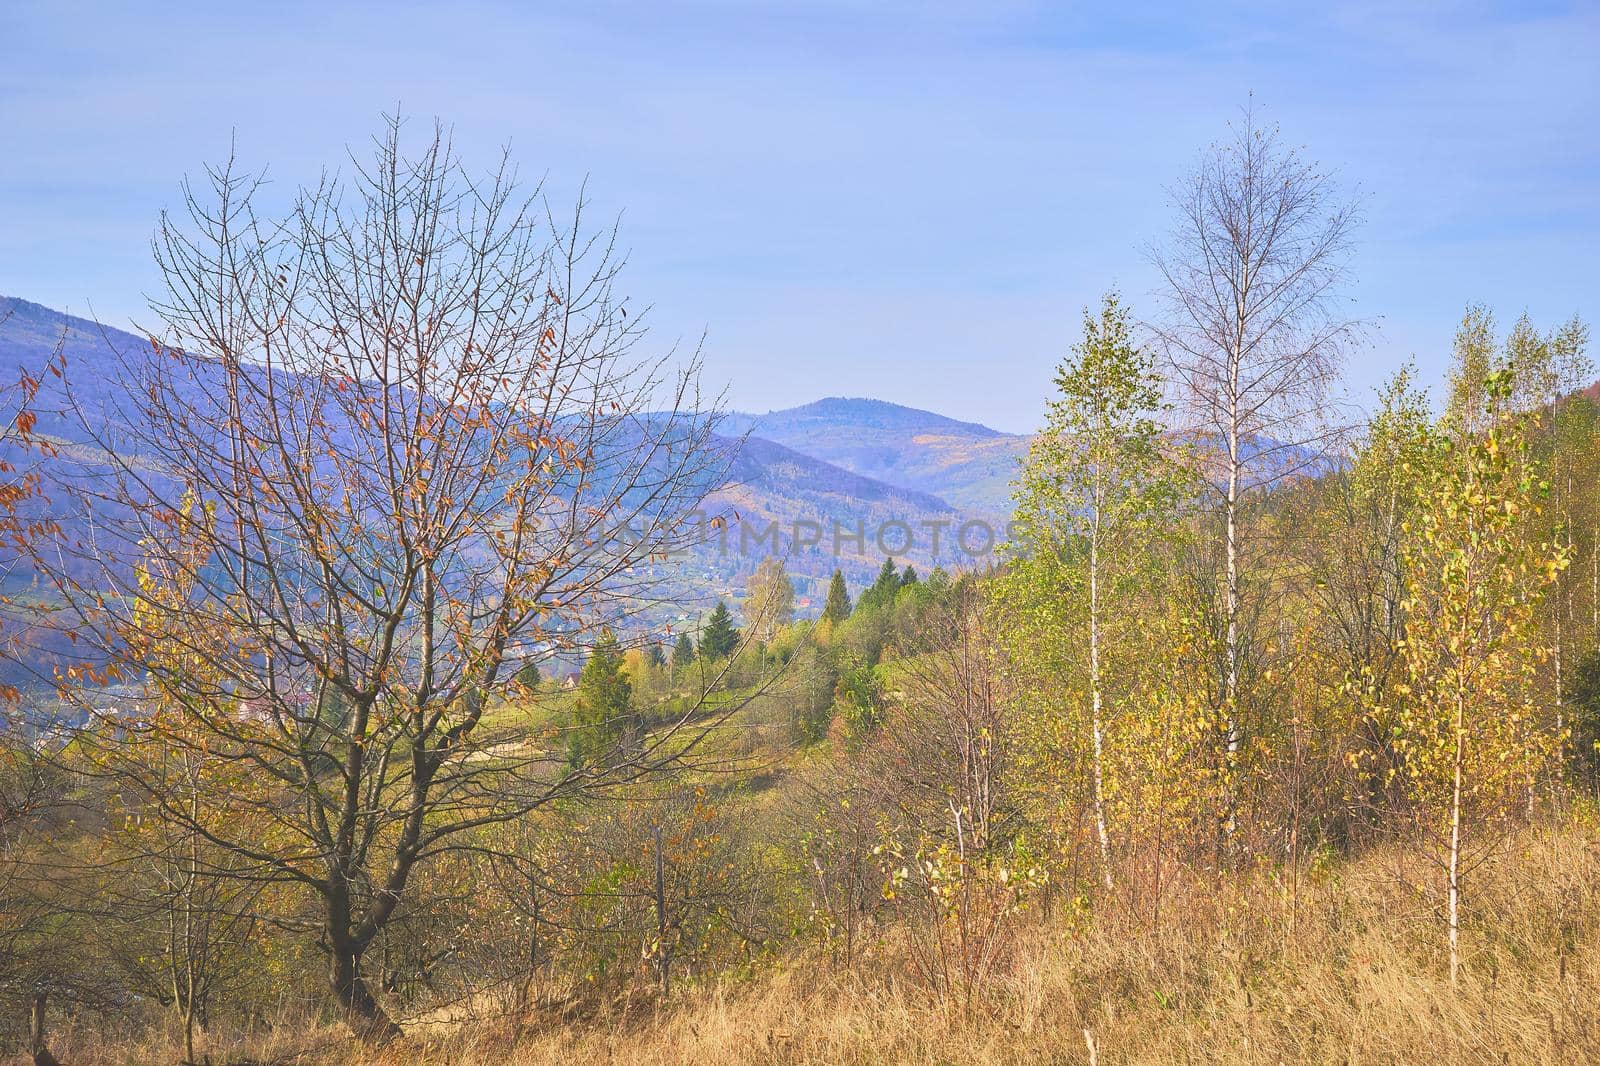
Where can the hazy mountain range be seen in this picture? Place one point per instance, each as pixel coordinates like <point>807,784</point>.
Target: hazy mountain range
<point>968,465</point>
<point>857,476</point>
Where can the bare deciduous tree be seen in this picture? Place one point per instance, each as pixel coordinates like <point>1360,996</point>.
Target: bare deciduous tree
<point>1254,337</point>
<point>387,448</point>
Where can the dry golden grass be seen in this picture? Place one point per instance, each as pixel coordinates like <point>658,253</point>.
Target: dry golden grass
<point>1360,978</point>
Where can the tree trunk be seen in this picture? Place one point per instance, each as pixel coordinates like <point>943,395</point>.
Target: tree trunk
<point>1095,724</point>
<point>188,1035</point>
<point>1561,709</point>
<point>369,1022</point>
<point>1230,671</point>
<point>663,957</point>
<point>36,1031</point>
<point>1453,906</point>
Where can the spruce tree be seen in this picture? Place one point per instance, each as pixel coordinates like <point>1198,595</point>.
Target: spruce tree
<point>882,591</point>
<point>602,705</point>
<point>683,652</point>
<point>528,676</point>
<point>720,637</point>
<point>837,608</point>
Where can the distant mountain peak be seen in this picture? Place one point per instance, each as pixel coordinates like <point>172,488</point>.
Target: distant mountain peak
<point>865,411</point>
<point>965,464</point>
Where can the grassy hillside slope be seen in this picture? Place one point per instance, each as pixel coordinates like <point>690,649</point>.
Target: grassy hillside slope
<point>1343,967</point>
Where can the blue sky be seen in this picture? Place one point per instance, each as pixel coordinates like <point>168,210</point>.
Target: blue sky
<point>911,201</point>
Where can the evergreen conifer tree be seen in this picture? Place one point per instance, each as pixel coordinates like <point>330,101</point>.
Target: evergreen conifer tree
<point>720,637</point>
<point>837,607</point>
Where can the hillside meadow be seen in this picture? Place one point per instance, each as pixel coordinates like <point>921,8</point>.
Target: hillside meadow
<point>1239,972</point>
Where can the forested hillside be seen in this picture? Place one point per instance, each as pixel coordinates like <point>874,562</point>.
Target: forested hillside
<point>1271,732</point>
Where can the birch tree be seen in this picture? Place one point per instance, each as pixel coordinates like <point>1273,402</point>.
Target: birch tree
<point>1467,734</point>
<point>769,599</point>
<point>1092,499</point>
<point>1254,334</point>
<point>1565,351</point>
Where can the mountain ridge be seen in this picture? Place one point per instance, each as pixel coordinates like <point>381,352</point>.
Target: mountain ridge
<point>874,412</point>
<point>768,481</point>
<point>968,464</point>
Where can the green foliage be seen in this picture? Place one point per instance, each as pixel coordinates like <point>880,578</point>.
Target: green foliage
<point>719,638</point>
<point>1357,573</point>
<point>601,714</point>
<point>880,766</point>
<point>913,605</point>
<point>882,591</point>
<point>528,675</point>
<point>889,613</point>
<point>1467,402</point>
<point>682,652</point>
<point>814,683</point>
<point>837,607</point>
<point>860,696</point>
<point>1083,596</point>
